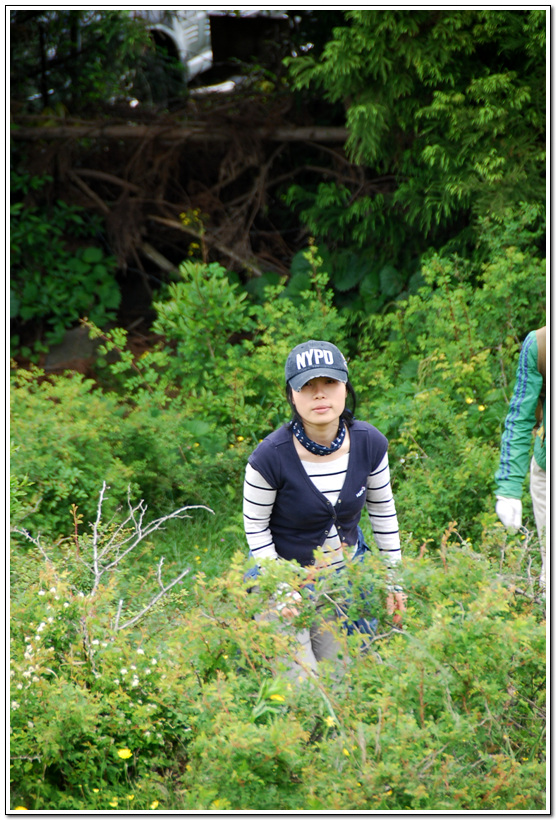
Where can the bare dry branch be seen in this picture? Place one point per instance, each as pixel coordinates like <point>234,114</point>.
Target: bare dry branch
<point>173,223</point>
<point>194,132</point>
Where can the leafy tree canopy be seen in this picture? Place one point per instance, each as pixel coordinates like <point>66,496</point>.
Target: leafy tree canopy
<point>76,59</point>
<point>446,107</point>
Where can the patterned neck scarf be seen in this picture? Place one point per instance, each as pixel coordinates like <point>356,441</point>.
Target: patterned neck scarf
<point>319,449</point>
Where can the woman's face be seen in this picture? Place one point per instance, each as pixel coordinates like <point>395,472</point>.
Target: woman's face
<point>320,401</point>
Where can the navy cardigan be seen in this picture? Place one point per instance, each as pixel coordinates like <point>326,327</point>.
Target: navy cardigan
<point>302,517</point>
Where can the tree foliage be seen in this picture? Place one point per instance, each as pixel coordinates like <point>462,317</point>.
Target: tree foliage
<point>76,61</point>
<point>447,111</point>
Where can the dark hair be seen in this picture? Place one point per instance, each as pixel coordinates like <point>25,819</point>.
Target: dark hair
<point>348,414</point>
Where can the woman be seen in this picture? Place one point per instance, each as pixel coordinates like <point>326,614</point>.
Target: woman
<point>306,483</point>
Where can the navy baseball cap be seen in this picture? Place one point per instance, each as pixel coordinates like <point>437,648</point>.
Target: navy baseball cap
<point>312,359</point>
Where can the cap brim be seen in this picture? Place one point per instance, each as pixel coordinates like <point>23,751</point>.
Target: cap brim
<point>297,382</point>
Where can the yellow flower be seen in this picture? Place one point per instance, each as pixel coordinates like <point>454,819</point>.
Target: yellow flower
<point>329,721</point>
<point>481,408</point>
<point>113,802</point>
<point>125,754</point>
<point>154,804</point>
<point>468,400</point>
<point>281,698</point>
<point>240,438</point>
<point>95,791</point>
<point>130,796</point>
<point>345,751</point>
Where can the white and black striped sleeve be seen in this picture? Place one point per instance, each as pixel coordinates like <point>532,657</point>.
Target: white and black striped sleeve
<point>382,512</point>
<point>258,501</point>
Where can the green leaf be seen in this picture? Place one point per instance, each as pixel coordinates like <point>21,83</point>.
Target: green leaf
<point>348,270</point>
<point>92,255</point>
<point>14,305</point>
<point>391,281</point>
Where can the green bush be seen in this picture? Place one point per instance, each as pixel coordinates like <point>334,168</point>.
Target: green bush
<point>65,438</point>
<point>184,705</point>
<point>196,404</point>
<point>436,372</point>
<point>142,680</point>
<point>57,273</point>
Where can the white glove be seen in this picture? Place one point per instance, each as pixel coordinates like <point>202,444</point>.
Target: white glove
<point>508,511</point>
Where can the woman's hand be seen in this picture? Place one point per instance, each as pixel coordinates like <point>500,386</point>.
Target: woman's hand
<point>289,612</point>
<point>395,605</point>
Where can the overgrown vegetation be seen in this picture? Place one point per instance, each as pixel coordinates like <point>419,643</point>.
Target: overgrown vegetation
<point>140,679</point>
<point>182,704</point>
<point>393,134</point>
<point>57,269</point>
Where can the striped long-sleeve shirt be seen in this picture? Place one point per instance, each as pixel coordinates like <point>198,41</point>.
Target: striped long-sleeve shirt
<point>328,478</point>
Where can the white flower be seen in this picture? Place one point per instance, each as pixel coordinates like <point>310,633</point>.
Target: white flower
<point>42,592</point>
<point>50,620</point>
<point>135,681</point>
<point>153,661</point>
<point>140,651</point>
<point>27,640</point>
<point>14,704</point>
<point>20,686</point>
<point>148,671</point>
<point>132,667</point>
<point>123,671</point>
<point>30,724</point>
<point>117,681</point>
<point>52,589</point>
<point>66,604</point>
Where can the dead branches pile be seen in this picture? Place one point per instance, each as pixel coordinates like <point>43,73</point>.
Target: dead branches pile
<point>168,183</point>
